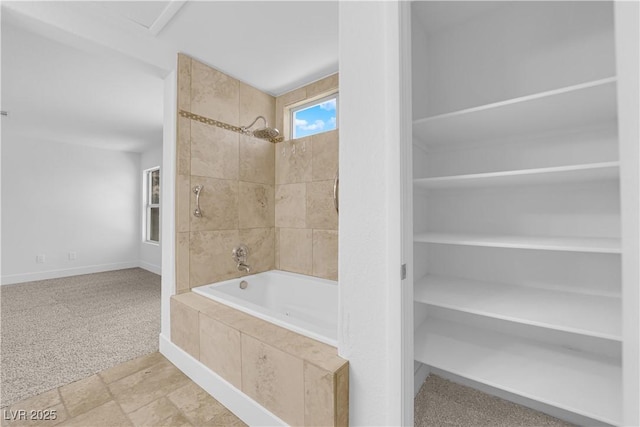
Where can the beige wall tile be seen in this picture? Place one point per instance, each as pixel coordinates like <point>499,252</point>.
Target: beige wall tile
<point>197,405</point>
<point>254,103</point>
<point>283,101</point>
<point>342,396</point>
<point>319,405</point>
<point>210,256</point>
<point>218,203</point>
<point>260,242</point>
<point>291,205</point>
<point>214,94</point>
<point>276,251</point>
<point>257,160</point>
<point>107,415</point>
<point>324,164</point>
<point>220,349</point>
<point>274,379</point>
<point>182,261</point>
<point>183,150</point>
<point>322,86</point>
<point>256,205</point>
<point>296,250</point>
<point>183,203</point>
<point>184,328</point>
<point>325,254</point>
<point>214,151</point>
<point>294,167</point>
<point>184,82</point>
<point>321,212</point>
<point>83,395</point>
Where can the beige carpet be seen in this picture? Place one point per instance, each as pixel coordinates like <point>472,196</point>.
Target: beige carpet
<point>57,331</point>
<point>444,403</point>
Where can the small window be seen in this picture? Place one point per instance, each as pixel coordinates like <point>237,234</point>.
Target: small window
<point>310,118</point>
<point>152,205</point>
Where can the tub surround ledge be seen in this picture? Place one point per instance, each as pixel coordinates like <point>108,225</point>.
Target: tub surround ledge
<point>317,393</point>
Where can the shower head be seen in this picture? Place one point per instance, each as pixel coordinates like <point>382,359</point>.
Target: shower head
<point>265,132</point>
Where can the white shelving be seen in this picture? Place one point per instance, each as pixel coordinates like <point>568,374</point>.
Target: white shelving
<point>572,244</point>
<point>586,384</point>
<point>577,106</point>
<point>552,175</point>
<point>590,315</point>
<point>538,175</point>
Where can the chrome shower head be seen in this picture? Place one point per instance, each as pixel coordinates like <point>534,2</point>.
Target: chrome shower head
<point>265,132</point>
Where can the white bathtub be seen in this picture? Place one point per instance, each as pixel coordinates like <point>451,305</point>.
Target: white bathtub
<point>304,304</point>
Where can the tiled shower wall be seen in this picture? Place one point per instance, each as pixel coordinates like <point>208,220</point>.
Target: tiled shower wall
<point>237,173</point>
<point>306,220</point>
<point>239,176</point>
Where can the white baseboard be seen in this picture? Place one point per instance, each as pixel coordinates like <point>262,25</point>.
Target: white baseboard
<point>562,414</point>
<point>66,272</point>
<point>224,392</point>
<point>151,267</point>
<point>419,376</point>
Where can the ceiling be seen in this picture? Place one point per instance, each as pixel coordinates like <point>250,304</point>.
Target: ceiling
<point>92,73</point>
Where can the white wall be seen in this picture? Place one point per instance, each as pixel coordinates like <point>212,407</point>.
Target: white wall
<point>150,254</point>
<point>370,246</point>
<point>59,198</point>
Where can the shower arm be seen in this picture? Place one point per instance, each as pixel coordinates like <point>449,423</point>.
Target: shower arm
<point>246,128</point>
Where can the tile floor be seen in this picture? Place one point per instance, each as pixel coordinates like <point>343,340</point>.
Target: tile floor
<point>147,391</point>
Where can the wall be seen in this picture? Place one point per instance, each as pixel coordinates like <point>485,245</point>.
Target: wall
<point>370,334</point>
<point>466,70</point>
<point>150,254</point>
<point>59,198</point>
<point>237,173</point>
<point>305,217</point>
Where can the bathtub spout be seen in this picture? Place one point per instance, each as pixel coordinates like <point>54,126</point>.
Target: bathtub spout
<point>244,267</point>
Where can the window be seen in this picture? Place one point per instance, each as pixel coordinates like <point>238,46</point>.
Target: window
<point>316,116</point>
<point>152,205</point>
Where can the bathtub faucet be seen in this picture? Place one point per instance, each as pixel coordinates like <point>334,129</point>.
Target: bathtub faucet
<point>240,254</point>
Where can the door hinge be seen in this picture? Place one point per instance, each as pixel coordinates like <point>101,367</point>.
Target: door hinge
<point>403,271</point>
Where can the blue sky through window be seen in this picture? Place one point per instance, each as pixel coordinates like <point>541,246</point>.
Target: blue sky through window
<point>317,118</point>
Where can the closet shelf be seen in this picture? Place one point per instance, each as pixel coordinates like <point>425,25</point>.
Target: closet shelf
<point>583,383</point>
<point>551,175</point>
<point>573,107</point>
<point>591,315</point>
<point>569,244</point>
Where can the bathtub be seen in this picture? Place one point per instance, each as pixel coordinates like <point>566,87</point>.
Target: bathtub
<point>303,304</point>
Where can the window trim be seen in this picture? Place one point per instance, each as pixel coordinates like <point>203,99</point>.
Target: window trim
<point>147,206</point>
<point>291,109</point>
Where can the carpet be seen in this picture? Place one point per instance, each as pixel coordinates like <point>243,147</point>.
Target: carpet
<point>53,332</point>
<point>441,402</point>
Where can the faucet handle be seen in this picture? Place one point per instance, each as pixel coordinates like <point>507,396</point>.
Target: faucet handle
<point>240,253</point>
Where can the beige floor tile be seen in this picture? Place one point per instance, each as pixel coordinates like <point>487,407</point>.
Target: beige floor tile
<point>82,396</point>
<point>159,412</point>
<point>224,419</point>
<point>196,404</point>
<point>43,417</point>
<point>107,415</point>
<point>145,386</point>
<point>131,367</point>
<point>44,400</point>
